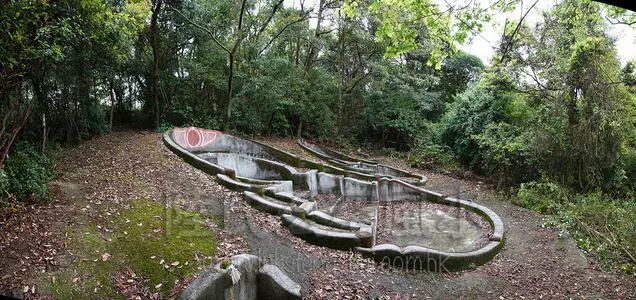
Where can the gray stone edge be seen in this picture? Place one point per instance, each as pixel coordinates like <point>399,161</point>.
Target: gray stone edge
<point>339,168</point>
<point>265,205</point>
<point>328,220</point>
<point>430,259</point>
<point>283,287</point>
<point>321,237</point>
<point>272,282</point>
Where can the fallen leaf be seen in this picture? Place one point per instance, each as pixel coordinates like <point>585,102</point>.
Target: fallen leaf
<point>106,256</point>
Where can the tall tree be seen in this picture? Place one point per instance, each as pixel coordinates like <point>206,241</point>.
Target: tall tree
<point>154,35</point>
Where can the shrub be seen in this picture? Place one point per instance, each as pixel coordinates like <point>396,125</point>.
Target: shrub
<point>505,154</point>
<point>434,157</point>
<point>390,120</point>
<point>469,116</point>
<point>543,196</point>
<point>27,173</point>
<point>96,121</point>
<point>4,184</point>
<point>165,126</point>
<point>429,153</point>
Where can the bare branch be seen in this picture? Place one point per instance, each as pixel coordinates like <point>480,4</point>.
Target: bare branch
<point>617,22</point>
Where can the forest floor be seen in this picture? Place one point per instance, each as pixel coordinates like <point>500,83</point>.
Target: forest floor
<point>129,219</point>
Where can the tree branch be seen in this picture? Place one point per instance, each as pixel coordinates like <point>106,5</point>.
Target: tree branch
<point>509,43</point>
<point>200,27</point>
<point>281,32</point>
<point>616,22</point>
<point>269,19</point>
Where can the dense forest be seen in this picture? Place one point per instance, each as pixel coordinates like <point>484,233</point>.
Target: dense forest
<point>551,119</point>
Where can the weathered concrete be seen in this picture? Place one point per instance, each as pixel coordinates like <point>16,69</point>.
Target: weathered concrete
<point>245,278</point>
<point>363,169</point>
<point>321,237</point>
<point>328,220</point>
<point>443,230</point>
<point>271,184</point>
<point>276,285</point>
<point>265,205</point>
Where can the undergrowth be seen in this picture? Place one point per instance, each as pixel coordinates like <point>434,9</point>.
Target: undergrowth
<point>601,224</point>
<point>25,175</point>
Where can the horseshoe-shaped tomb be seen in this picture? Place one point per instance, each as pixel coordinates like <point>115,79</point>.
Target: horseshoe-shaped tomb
<point>347,203</point>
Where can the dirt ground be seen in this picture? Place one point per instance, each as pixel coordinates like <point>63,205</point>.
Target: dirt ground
<point>124,167</point>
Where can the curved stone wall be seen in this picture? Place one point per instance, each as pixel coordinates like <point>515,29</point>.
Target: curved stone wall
<point>360,165</point>
<point>308,201</point>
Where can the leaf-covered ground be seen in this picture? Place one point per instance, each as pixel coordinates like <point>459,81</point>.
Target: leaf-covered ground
<point>127,219</point>
<point>122,205</point>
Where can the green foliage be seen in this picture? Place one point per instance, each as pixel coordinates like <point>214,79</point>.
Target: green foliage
<point>430,154</point>
<point>395,113</point>
<point>27,173</point>
<point>390,121</point>
<point>600,224</point>
<point>4,184</point>
<point>96,120</point>
<point>165,126</point>
<point>567,71</point>
<point>403,22</point>
<point>505,153</point>
<point>469,116</point>
<point>543,196</point>
<point>458,72</point>
<point>588,154</point>
<point>603,227</point>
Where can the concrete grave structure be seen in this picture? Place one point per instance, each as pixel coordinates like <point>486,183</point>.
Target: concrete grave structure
<point>244,277</point>
<point>377,210</point>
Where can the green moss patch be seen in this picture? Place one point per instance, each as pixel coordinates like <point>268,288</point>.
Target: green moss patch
<point>145,247</point>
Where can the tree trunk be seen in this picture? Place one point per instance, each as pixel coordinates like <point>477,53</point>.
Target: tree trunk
<point>299,128</point>
<point>312,49</point>
<point>228,112</point>
<point>40,96</point>
<point>341,63</point>
<point>21,116</point>
<point>155,53</point>
<point>112,105</point>
<point>231,55</point>
<point>44,133</point>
